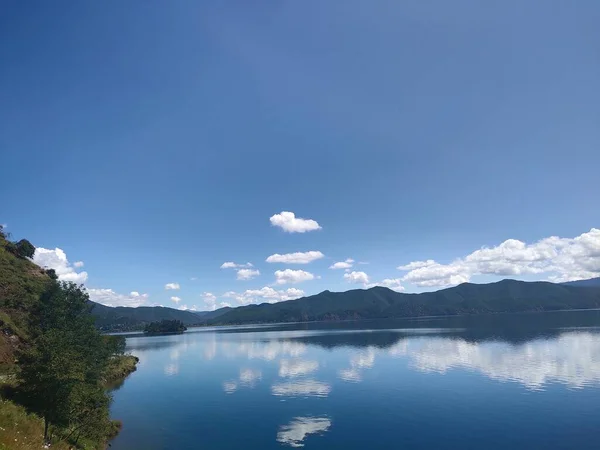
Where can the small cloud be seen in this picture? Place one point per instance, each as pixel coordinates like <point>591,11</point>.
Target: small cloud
<point>395,284</point>
<point>295,258</point>
<point>175,299</point>
<point>288,222</point>
<point>78,264</point>
<point>342,264</point>
<point>193,278</point>
<point>187,308</point>
<point>209,300</point>
<point>356,277</point>
<point>247,274</point>
<point>292,276</point>
<point>172,286</point>
<point>232,265</point>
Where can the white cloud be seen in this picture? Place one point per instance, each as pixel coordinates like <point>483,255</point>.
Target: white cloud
<point>175,299</point>
<point>109,297</point>
<point>289,222</point>
<point>295,258</point>
<point>356,277</point>
<point>232,265</point>
<point>561,259</point>
<point>417,265</point>
<point>395,284</point>
<point>172,286</point>
<point>78,264</point>
<point>57,259</point>
<point>193,278</point>
<point>210,300</point>
<point>265,294</point>
<point>294,433</point>
<point>303,388</point>
<point>247,274</point>
<point>342,264</point>
<point>186,307</point>
<point>209,296</point>
<point>292,276</point>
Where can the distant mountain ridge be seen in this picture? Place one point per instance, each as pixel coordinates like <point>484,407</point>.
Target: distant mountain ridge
<point>379,302</point>
<point>592,282</point>
<point>126,318</point>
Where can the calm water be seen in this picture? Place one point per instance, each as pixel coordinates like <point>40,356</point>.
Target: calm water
<point>528,381</point>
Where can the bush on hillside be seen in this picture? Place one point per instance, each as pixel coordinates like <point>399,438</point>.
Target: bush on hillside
<point>25,249</point>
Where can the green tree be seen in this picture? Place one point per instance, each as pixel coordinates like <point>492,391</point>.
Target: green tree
<point>165,326</point>
<point>25,249</point>
<point>62,369</point>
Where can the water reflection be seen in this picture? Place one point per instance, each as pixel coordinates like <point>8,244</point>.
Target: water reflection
<point>358,362</point>
<point>572,359</point>
<point>302,388</point>
<point>296,367</point>
<point>301,379</point>
<point>294,433</point>
<point>171,369</point>
<point>248,378</point>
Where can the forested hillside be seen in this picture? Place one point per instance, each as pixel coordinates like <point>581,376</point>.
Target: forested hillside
<point>54,363</point>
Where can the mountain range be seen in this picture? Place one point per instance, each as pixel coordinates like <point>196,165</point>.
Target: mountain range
<point>377,302</point>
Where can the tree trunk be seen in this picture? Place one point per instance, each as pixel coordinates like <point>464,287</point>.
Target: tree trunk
<point>46,430</point>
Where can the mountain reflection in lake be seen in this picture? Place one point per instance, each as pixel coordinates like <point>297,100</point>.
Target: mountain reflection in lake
<point>434,383</point>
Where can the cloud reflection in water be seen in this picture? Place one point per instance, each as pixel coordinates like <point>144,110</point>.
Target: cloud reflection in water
<point>303,388</point>
<point>296,367</point>
<point>572,359</point>
<point>294,433</point>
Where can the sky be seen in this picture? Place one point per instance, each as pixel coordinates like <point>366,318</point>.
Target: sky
<point>200,154</point>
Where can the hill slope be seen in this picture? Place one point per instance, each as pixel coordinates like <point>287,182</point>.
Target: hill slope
<point>592,282</point>
<point>380,302</point>
<point>21,284</point>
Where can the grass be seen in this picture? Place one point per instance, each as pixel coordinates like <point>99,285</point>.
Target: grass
<point>120,367</point>
<point>20,430</point>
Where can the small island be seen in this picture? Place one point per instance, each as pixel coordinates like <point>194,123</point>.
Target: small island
<point>165,327</point>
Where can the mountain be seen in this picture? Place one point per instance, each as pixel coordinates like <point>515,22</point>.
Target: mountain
<point>380,302</point>
<point>592,282</point>
<point>126,318</point>
<point>207,315</point>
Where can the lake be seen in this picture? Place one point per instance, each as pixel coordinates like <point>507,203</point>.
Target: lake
<point>527,381</point>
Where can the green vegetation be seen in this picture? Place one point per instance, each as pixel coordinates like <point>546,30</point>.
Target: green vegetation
<point>165,326</point>
<point>378,303</point>
<point>55,365</point>
<point>123,318</point>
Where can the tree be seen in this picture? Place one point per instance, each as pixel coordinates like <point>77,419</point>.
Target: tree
<point>25,249</point>
<point>52,274</point>
<point>62,369</point>
<point>165,326</point>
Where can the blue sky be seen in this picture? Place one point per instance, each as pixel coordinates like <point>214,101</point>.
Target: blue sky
<point>153,141</point>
